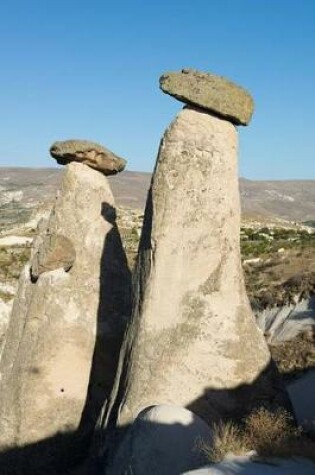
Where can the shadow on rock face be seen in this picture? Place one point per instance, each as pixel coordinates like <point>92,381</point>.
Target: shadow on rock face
<point>113,314</point>
<point>163,440</point>
<point>65,454</point>
<point>55,454</point>
<point>52,456</point>
<point>62,453</point>
<point>109,214</point>
<point>245,398</point>
<point>211,407</point>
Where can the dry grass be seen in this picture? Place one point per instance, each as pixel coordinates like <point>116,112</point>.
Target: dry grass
<point>268,434</point>
<point>265,432</point>
<point>227,438</point>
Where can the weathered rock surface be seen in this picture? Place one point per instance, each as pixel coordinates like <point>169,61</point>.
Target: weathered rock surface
<point>65,331</point>
<point>163,440</point>
<point>92,154</point>
<point>208,91</point>
<point>284,323</point>
<point>193,340</point>
<point>55,252</point>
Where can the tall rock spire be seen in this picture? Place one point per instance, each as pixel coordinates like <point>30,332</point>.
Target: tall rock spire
<point>193,340</point>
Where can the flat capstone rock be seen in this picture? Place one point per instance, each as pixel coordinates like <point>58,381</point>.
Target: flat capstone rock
<point>210,92</point>
<point>89,153</point>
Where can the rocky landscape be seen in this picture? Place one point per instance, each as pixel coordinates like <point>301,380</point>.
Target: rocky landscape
<point>284,202</point>
<point>84,356</point>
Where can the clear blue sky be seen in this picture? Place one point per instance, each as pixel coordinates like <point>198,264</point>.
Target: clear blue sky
<point>90,70</point>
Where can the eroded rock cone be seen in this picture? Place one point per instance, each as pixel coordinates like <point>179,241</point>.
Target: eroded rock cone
<point>193,340</point>
<point>65,331</point>
<point>92,154</point>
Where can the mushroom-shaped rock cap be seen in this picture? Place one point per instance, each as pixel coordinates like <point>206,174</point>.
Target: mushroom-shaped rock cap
<point>208,91</point>
<point>92,154</point>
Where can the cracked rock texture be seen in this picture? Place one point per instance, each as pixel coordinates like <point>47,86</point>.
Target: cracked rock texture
<point>65,330</point>
<point>92,154</point>
<point>193,340</point>
<point>213,93</point>
<point>55,252</point>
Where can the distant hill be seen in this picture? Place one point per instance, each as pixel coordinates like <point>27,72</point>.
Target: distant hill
<point>292,200</point>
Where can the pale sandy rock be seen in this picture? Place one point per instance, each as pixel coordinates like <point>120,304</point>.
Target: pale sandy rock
<point>8,288</point>
<point>208,91</point>
<point>64,335</point>
<point>163,440</point>
<point>8,241</point>
<point>5,310</point>
<point>193,340</point>
<point>92,154</point>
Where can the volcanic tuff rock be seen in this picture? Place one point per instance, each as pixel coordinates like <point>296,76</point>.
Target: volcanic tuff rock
<point>213,93</point>
<point>65,331</point>
<point>91,154</point>
<point>162,441</point>
<point>193,340</point>
<point>55,252</point>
